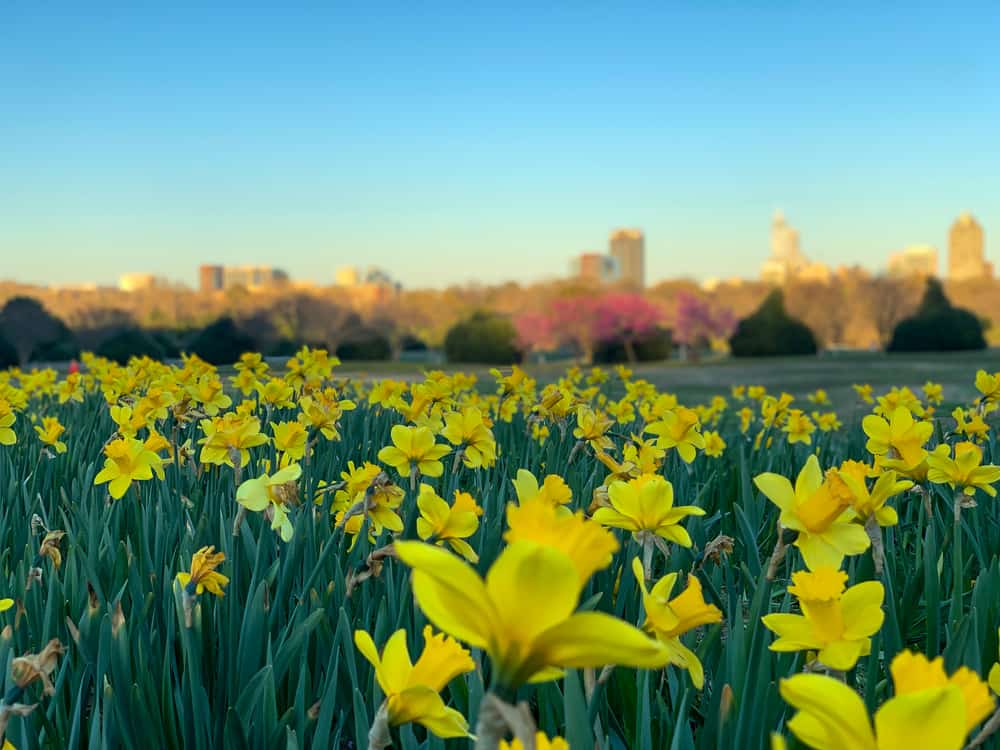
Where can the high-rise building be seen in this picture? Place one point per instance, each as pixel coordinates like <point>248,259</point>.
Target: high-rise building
<point>347,276</point>
<point>210,278</point>
<point>966,259</point>
<point>215,278</point>
<point>787,260</point>
<point>916,260</point>
<point>596,268</point>
<point>628,248</point>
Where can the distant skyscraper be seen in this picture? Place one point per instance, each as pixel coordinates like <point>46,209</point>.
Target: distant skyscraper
<point>210,278</point>
<point>965,250</point>
<point>787,260</point>
<point>596,268</point>
<point>628,248</point>
<point>916,260</point>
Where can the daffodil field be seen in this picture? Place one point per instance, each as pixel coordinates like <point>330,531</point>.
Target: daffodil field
<point>276,556</point>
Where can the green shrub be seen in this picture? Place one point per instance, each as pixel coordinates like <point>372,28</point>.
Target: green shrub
<point>221,342</point>
<point>369,346</point>
<point>771,332</point>
<point>485,338</point>
<point>131,342</point>
<point>8,354</point>
<point>655,346</point>
<point>937,326</point>
<point>36,334</point>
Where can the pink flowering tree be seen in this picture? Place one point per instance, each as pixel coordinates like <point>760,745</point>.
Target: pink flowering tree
<point>583,321</point>
<point>627,318</point>
<point>697,322</point>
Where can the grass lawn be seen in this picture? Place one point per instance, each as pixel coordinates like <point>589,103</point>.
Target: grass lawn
<point>836,373</point>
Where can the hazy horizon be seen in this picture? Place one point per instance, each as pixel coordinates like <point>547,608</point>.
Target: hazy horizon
<point>450,145</point>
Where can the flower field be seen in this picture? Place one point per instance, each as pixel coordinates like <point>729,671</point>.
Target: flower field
<point>289,558</point>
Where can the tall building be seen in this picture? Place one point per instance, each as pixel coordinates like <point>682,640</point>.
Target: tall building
<point>596,268</point>
<point>210,278</point>
<point>347,276</point>
<point>966,259</point>
<point>786,260</point>
<point>916,260</point>
<point>214,278</point>
<point>628,248</point>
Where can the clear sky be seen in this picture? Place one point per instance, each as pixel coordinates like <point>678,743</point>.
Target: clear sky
<point>449,144</point>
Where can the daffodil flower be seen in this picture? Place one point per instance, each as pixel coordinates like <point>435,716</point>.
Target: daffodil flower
<point>929,710</point>
<point>900,436</point>
<point>523,614</point>
<point>413,450</point>
<point>837,622</point>
<point>412,691</point>
<point>127,460</point>
<point>679,429</point>
<point>541,743</point>
<point>441,523</point>
<point>668,619</point>
<point>823,519</point>
<point>271,494</point>
<point>646,504</point>
<point>965,471</point>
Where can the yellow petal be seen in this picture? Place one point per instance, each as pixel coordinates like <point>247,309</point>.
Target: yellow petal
<point>931,718</point>
<point>450,593</point>
<point>594,639</point>
<point>831,709</point>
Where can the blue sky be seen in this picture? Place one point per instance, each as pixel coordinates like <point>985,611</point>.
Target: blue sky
<point>449,144</point>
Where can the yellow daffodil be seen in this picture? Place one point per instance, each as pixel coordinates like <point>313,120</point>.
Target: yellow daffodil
<point>323,410</point>
<point>913,672</point>
<point>541,743</point>
<point>872,502</point>
<point>823,519</point>
<point>276,393</point>
<point>668,619</point>
<point>933,392</point>
<point>414,452</point>
<point>929,710</point>
<point>272,494</point>
<point>715,446</point>
<point>970,424</point>
<point>899,437</point>
<point>898,398</point>
<point>837,623</point>
<point>208,392</point>
<point>523,615</point>
<point>441,523</point>
<point>826,421</point>
<point>127,460</point>
<point>412,691</point>
<point>367,495</point>
<point>819,397</point>
<point>588,544</point>
<point>230,436</point>
<point>646,505</point>
<point>592,428</point>
<point>864,392</point>
<point>203,576</point>
<point>7,418</point>
<point>965,471</point>
<point>988,385</point>
<point>290,439</point>
<point>49,432</point>
<point>468,430</point>
<point>553,489</point>
<point>679,429</point>
<point>798,427</point>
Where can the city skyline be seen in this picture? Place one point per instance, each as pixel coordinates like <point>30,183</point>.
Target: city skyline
<point>455,145</point>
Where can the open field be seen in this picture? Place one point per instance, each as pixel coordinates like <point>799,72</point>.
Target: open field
<point>350,557</point>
